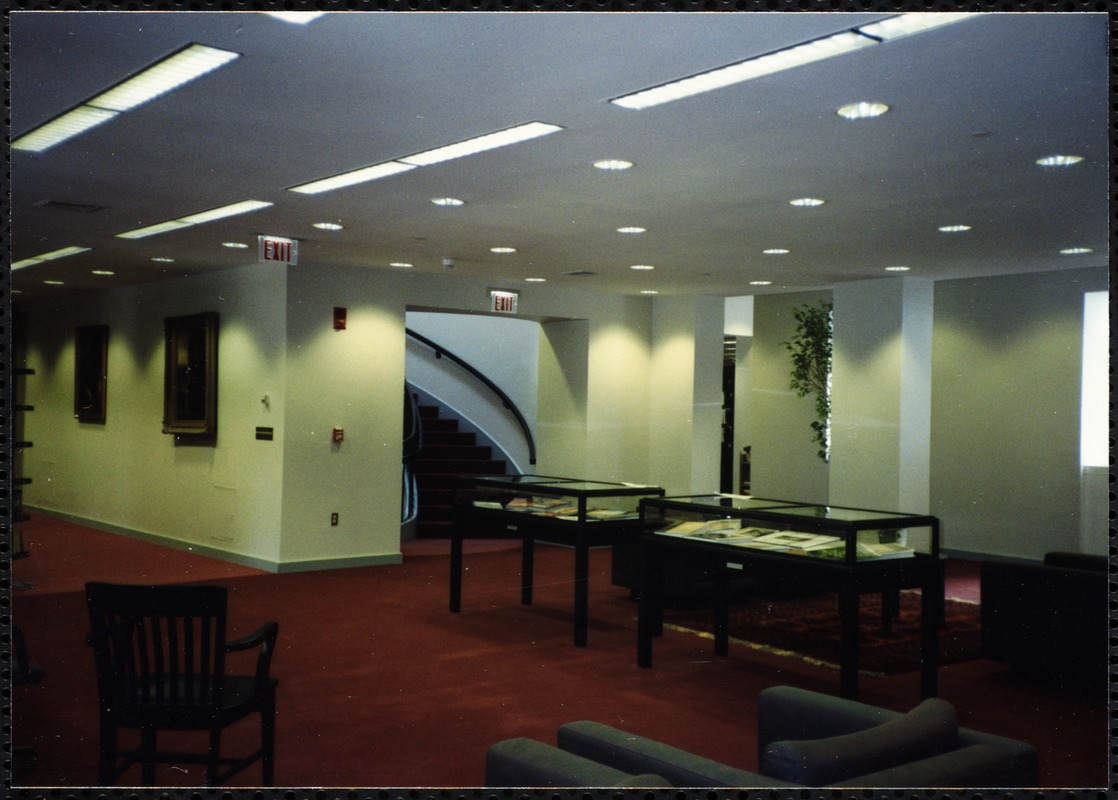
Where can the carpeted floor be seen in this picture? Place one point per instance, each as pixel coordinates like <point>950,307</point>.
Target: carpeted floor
<point>381,686</point>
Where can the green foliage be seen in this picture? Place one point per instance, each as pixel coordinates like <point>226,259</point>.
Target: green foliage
<point>811,365</point>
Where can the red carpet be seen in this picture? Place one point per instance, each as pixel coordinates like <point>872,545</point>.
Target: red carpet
<point>380,686</point>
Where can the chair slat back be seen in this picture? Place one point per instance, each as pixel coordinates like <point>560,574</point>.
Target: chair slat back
<point>159,646</point>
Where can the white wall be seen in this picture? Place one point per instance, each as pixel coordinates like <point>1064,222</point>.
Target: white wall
<point>785,464</point>
<point>127,472</point>
<point>1005,411</point>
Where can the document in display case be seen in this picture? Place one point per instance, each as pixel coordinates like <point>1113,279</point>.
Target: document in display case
<point>570,511</point>
<point>849,551</point>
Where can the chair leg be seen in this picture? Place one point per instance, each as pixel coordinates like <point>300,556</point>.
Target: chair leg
<point>214,764</point>
<point>147,753</point>
<point>268,742</point>
<point>106,761</point>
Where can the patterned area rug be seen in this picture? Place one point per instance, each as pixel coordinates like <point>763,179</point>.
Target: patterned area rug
<point>808,628</point>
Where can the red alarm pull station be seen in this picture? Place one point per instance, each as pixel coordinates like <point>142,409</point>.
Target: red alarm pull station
<point>338,436</point>
<point>339,318</point>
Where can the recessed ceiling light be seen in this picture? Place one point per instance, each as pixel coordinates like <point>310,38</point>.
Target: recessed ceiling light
<point>898,268</point>
<point>235,245</point>
<point>231,210</point>
<point>649,291</point>
<point>163,259</point>
<point>328,226</point>
<point>760,283</point>
<point>502,249</point>
<point>536,280</point>
<point>954,228</point>
<point>401,265</point>
<point>1075,251</point>
<point>631,229</point>
<point>613,164</point>
<point>102,272</point>
<point>862,110</point>
<point>1058,161</point>
<point>51,256</point>
<point>447,201</point>
<point>645,267</point>
<point>806,202</point>
<point>179,68</point>
<point>776,251</point>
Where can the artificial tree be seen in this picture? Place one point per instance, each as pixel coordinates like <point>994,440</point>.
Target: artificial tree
<point>811,365</point>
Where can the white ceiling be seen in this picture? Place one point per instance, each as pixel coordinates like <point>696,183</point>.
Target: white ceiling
<point>974,105</point>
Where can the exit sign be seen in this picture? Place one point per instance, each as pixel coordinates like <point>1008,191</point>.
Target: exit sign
<point>278,249</point>
<point>503,302</point>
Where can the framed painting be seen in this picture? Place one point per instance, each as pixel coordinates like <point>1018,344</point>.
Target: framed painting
<point>190,375</point>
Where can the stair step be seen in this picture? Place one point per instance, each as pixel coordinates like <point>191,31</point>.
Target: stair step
<point>439,424</point>
<point>456,452</point>
<point>446,466</point>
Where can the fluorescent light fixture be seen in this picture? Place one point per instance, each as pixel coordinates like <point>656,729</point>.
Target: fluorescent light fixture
<point>535,280</point>
<point>163,259</point>
<point>898,268</point>
<point>776,251</point>
<point>181,67</point>
<point>468,147</point>
<point>809,52</point>
<point>448,201</point>
<point>295,17</point>
<point>917,22</point>
<point>51,256</point>
<point>235,245</point>
<point>613,164</point>
<point>101,272</point>
<point>480,144</point>
<point>631,229</point>
<point>644,267</point>
<point>61,128</point>
<point>502,249</point>
<point>760,283</point>
<point>328,226</point>
<point>863,110</point>
<point>363,175</point>
<point>192,62</point>
<point>1059,161</point>
<point>806,202</point>
<point>401,265</point>
<point>1075,251</point>
<point>649,291</point>
<point>231,210</point>
<point>954,228</point>
<point>54,283</point>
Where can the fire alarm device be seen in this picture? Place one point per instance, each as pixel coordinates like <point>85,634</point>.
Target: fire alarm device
<point>338,436</point>
<point>339,318</point>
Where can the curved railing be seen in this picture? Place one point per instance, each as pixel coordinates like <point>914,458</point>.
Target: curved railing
<point>506,401</point>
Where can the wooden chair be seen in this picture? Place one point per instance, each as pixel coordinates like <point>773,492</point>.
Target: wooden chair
<point>160,656</point>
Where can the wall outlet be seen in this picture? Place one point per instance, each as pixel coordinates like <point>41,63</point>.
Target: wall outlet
<point>334,518</point>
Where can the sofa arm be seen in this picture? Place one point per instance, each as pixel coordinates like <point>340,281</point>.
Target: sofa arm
<point>789,713</point>
<point>528,763</point>
<point>637,754</point>
<point>976,767</point>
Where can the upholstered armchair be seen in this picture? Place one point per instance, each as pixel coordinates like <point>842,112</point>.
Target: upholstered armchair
<point>804,739</point>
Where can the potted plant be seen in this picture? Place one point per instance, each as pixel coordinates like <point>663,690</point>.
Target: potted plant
<point>811,365</point>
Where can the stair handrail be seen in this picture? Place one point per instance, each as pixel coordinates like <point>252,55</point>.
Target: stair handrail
<point>506,401</point>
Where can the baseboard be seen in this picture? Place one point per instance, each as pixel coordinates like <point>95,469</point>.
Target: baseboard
<point>224,555</point>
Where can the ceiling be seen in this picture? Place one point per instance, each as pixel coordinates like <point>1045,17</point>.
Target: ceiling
<point>973,106</point>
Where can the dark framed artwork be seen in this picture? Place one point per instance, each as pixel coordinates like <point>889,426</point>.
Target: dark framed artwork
<point>91,364</point>
<point>190,375</point>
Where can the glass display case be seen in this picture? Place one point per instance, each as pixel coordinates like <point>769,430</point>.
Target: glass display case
<point>848,551</point>
<point>570,511</point>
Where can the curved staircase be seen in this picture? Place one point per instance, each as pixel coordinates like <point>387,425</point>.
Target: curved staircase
<point>447,452</point>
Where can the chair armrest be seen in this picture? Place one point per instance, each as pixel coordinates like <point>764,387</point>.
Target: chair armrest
<point>263,637</point>
<point>529,763</point>
<point>974,767</point>
<point>789,713</point>
<point>637,754</point>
